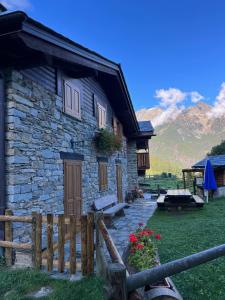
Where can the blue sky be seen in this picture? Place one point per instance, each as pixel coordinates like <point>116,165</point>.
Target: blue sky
<point>161,44</point>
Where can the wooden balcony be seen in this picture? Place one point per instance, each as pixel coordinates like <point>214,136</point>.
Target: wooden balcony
<point>143,161</point>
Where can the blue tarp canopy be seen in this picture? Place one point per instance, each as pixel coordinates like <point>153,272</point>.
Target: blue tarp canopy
<point>209,177</point>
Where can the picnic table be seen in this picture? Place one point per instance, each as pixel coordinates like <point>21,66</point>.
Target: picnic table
<point>179,198</point>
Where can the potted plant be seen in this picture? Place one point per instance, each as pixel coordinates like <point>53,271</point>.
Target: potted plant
<point>143,253</point>
<point>107,142</point>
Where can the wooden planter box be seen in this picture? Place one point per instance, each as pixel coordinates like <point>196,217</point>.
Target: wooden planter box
<point>163,289</point>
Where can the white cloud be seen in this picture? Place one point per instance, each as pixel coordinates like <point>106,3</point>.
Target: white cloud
<point>167,115</point>
<point>218,109</point>
<point>172,100</point>
<point>196,97</point>
<point>16,4</point>
<point>169,97</point>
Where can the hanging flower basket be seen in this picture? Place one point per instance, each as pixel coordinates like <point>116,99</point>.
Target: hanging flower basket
<point>107,142</point>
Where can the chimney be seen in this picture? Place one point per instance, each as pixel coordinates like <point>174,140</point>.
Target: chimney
<point>2,8</point>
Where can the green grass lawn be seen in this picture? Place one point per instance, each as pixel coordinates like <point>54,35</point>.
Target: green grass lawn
<point>16,284</point>
<point>187,232</point>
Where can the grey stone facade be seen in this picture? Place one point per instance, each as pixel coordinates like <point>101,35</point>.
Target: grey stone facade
<point>37,130</point>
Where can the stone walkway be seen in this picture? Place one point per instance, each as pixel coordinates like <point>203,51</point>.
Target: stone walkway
<point>138,212</point>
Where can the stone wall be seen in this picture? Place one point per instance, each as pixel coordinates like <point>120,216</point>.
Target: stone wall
<point>37,130</point>
<point>132,165</point>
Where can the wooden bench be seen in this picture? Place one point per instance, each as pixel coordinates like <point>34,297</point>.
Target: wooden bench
<point>109,206</point>
<point>199,201</point>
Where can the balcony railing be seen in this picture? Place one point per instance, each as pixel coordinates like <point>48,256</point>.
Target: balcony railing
<point>143,161</point>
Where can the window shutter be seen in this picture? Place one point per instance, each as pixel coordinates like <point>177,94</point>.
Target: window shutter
<point>72,100</point>
<point>101,116</point>
<point>103,176</point>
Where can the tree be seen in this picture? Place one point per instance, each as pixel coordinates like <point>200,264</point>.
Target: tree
<point>219,149</point>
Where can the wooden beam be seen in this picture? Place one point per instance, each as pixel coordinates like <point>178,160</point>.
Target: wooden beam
<point>25,246</point>
<point>8,238</point>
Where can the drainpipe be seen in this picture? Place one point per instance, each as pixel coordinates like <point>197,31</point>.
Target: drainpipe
<point>2,153</point>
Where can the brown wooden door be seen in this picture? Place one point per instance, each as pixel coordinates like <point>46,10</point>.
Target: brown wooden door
<point>72,187</point>
<point>119,183</point>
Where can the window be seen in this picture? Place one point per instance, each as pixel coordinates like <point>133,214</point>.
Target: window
<point>117,128</point>
<point>72,100</point>
<point>101,116</point>
<point>103,176</point>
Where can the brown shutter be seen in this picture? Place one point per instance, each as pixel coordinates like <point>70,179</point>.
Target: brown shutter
<point>103,176</point>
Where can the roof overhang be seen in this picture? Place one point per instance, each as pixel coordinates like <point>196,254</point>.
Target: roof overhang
<point>26,43</point>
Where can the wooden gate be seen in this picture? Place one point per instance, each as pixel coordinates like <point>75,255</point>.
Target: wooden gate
<point>83,262</point>
<point>72,187</point>
<point>119,183</point>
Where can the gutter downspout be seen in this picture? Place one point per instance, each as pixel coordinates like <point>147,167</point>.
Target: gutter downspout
<point>2,153</point>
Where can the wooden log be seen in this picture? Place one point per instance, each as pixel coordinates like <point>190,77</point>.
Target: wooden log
<point>113,252</point>
<point>72,229</point>
<point>25,246</point>
<point>84,244</point>
<point>38,240</point>
<point>117,275</point>
<point>90,243</point>
<point>25,219</point>
<point>33,238</point>
<point>158,188</point>
<point>50,252</point>
<point>8,238</point>
<point>61,242</point>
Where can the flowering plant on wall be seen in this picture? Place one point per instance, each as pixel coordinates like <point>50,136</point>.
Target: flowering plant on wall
<point>107,142</point>
<point>143,248</point>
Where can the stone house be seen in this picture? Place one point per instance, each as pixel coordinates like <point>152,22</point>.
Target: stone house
<point>55,95</point>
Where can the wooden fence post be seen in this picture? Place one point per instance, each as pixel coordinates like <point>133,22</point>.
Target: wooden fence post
<point>61,241</point>
<point>158,190</point>
<point>73,223</point>
<point>90,243</point>
<point>38,240</point>
<point>84,244</point>
<point>117,275</point>
<point>8,238</point>
<point>50,252</point>
<point>33,237</point>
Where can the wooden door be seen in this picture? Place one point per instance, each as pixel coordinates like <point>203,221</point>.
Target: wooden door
<point>72,187</point>
<point>119,183</point>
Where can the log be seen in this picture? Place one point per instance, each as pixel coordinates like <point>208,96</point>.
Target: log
<point>25,246</point>
<point>90,243</point>
<point>50,252</point>
<point>33,237</point>
<point>72,229</point>
<point>8,238</point>
<point>61,241</point>
<point>25,219</point>
<point>117,275</point>
<point>84,244</point>
<point>38,240</point>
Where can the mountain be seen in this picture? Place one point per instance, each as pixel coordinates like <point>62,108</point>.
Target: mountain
<point>183,136</point>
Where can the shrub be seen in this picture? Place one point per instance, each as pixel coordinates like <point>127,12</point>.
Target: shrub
<point>107,142</point>
<point>142,248</point>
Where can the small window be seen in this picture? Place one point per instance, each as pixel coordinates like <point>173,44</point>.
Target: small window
<point>72,100</point>
<point>101,116</point>
<point>103,176</point>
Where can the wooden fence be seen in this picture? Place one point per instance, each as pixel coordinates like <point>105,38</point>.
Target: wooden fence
<point>68,229</point>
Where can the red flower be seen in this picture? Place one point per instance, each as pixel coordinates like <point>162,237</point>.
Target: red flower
<point>140,246</point>
<point>158,236</point>
<point>133,238</point>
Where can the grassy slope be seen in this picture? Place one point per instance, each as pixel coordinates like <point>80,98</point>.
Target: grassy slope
<point>18,283</point>
<point>186,233</point>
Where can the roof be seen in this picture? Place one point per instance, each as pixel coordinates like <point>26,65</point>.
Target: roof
<point>216,161</point>
<point>145,126</point>
<point>28,42</point>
